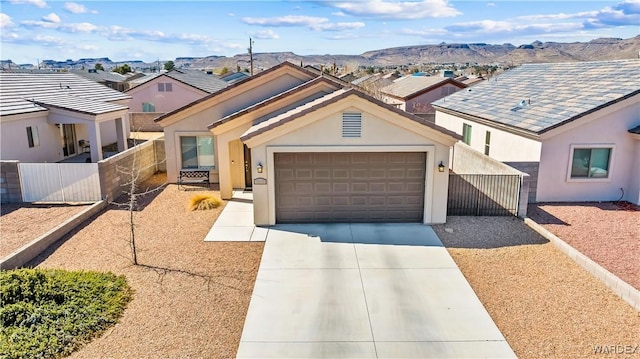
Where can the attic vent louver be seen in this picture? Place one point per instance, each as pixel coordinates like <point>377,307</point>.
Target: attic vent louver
<point>351,124</point>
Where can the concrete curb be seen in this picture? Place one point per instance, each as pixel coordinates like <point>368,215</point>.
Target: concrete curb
<point>617,285</point>
<point>24,254</point>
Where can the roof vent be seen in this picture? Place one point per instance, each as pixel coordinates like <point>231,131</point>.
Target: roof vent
<point>352,124</point>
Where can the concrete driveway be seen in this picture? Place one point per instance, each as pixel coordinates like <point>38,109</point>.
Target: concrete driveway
<point>364,291</point>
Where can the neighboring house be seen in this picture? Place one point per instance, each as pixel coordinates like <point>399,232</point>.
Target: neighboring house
<point>313,150</point>
<point>415,94</point>
<point>469,80</point>
<point>566,124</point>
<point>233,77</point>
<point>166,92</point>
<point>49,117</point>
<point>112,80</point>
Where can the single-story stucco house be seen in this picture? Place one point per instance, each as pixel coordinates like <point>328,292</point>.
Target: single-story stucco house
<point>313,150</point>
<point>50,116</point>
<point>569,125</point>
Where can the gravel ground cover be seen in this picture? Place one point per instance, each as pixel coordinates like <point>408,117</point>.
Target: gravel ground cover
<point>23,222</point>
<point>545,304</point>
<point>190,297</point>
<point>606,232</point>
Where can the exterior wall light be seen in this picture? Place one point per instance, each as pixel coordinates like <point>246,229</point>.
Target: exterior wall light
<point>259,167</point>
<point>441,167</point>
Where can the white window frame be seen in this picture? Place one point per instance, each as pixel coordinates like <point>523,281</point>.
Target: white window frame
<point>178,149</point>
<point>165,87</point>
<point>612,154</point>
<point>33,138</point>
<point>467,131</point>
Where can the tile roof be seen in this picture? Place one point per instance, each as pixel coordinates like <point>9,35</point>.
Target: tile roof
<point>76,104</point>
<point>406,87</point>
<point>19,92</point>
<point>198,79</point>
<point>100,75</point>
<point>326,100</point>
<point>539,97</point>
<point>276,98</point>
<point>237,85</point>
<point>233,77</point>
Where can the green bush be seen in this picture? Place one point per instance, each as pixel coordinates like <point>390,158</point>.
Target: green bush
<point>48,313</point>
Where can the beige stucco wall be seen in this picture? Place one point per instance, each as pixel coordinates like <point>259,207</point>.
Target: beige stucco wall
<point>15,146</point>
<point>607,127</point>
<point>228,103</point>
<point>505,146</point>
<point>382,131</point>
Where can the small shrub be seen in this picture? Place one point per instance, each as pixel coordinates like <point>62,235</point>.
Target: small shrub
<point>48,313</point>
<point>204,202</point>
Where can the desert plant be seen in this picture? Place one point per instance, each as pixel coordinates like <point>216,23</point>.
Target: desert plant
<point>204,202</point>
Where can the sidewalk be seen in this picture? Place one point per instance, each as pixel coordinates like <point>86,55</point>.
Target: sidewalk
<point>235,223</point>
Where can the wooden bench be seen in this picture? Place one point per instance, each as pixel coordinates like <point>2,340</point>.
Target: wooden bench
<point>193,177</point>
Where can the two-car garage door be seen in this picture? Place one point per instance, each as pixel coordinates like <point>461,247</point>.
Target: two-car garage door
<point>350,187</point>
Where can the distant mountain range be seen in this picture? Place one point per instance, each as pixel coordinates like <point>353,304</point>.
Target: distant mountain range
<point>480,53</point>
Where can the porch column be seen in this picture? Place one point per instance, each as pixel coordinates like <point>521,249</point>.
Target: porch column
<point>121,135</point>
<point>95,142</point>
<point>224,169</point>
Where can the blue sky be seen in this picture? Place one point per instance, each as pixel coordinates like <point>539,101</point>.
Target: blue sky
<point>151,30</point>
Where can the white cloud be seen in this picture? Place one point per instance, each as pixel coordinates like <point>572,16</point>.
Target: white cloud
<point>75,8</point>
<point>396,10</point>
<point>265,34</point>
<point>38,3</point>
<point>492,4</point>
<point>51,18</point>
<point>51,24</point>
<point>48,40</point>
<point>311,22</point>
<point>5,21</point>
<point>80,27</point>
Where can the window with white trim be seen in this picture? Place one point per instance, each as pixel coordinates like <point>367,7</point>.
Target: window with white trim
<point>466,133</point>
<point>197,152</point>
<point>32,136</point>
<point>148,107</point>
<point>590,162</point>
<point>487,142</point>
<point>165,87</point>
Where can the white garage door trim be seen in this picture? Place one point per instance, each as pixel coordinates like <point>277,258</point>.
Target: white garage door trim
<point>429,169</point>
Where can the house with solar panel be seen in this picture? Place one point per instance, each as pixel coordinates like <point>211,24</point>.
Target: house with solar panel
<point>55,116</point>
<point>573,127</point>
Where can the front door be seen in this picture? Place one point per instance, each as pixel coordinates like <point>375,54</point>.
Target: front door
<point>247,167</point>
<point>68,139</point>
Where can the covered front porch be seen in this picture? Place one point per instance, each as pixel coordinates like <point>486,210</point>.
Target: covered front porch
<point>85,127</point>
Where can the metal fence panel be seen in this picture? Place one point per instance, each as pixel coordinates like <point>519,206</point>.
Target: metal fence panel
<point>60,182</point>
<point>483,195</point>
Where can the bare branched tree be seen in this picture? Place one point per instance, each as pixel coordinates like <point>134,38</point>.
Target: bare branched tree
<point>133,194</point>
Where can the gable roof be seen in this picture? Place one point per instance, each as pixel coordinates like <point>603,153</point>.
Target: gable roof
<point>274,99</point>
<point>407,87</point>
<point>200,80</point>
<point>233,77</point>
<point>101,75</point>
<point>539,97</point>
<point>22,92</point>
<point>327,100</point>
<point>238,85</point>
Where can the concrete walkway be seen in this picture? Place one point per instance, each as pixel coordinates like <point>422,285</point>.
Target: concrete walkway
<point>235,223</point>
<point>364,291</point>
